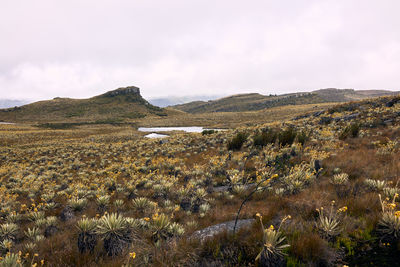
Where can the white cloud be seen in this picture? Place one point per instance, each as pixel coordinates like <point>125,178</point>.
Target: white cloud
<point>187,47</point>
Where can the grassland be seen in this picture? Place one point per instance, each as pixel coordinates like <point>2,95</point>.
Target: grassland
<point>323,177</point>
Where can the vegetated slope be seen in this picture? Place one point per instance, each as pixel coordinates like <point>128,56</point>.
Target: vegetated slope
<point>251,102</point>
<point>177,100</point>
<point>117,105</point>
<point>331,171</point>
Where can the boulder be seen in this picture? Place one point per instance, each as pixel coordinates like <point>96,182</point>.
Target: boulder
<point>213,230</point>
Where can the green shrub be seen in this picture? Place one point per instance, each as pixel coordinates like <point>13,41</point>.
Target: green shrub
<point>287,136</point>
<point>265,137</point>
<point>206,132</point>
<point>350,131</point>
<point>237,141</point>
<point>302,137</point>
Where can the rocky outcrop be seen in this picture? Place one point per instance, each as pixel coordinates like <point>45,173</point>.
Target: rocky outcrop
<point>130,90</point>
<point>213,230</point>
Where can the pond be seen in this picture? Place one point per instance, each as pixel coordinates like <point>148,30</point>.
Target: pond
<point>154,130</point>
<point>192,129</point>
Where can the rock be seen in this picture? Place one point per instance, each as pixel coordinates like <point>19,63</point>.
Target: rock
<point>163,141</point>
<point>223,188</point>
<point>50,230</point>
<point>325,120</point>
<point>301,117</point>
<point>318,113</point>
<point>67,214</point>
<point>185,205</point>
<point>213,230</point>
<point>350,117</point>
<point>123,91</point>
<point>392,102</point>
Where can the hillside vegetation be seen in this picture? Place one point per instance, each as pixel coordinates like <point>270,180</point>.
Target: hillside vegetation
<point>252,102</point>
<point>320,189</point>
<point>114,106</point>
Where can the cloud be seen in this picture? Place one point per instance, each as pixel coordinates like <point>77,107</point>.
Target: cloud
<point>186,47</point>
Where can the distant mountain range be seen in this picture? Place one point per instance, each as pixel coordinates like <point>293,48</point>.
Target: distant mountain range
<point>177,100</point>
<point>114,106</point>
<point>126,104</point>
<point>254,101</point>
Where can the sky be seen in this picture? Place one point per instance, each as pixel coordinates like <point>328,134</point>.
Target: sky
<point>82,48</point>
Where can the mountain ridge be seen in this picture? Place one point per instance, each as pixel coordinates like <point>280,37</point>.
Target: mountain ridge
<point>256,101</point>
<point>116,105</point>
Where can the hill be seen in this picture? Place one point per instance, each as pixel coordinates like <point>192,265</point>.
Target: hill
<point>117,105</point>
<point>177,100</point>
<point>251,102</point>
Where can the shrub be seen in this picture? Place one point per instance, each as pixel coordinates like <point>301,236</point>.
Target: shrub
<point>375,185</point>
<point>340,179</point>
<point>350,131</point>
<point>237,141</point>
<point>287,136</point>
<point>143,205</point>
<point>11,260</point>
<point>206,132</point>
<point>102,203</point>
<point>265,137</point>
<point>115,232</point>
<point>78,204</point>
<point>328,223</point>
<point>274,245</point>
<point>389,224</point>
<point>8,231</point>
<point>302,137</point>
<point>87,237</point>
<point>160,227</point>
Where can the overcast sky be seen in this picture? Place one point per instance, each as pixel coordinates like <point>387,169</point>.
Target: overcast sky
<point>81,48</point>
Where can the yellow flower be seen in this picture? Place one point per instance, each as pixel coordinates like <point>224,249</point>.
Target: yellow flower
<point>397,213</point>
<point>146,219</point>
<point>42,262</point>
<point>132,255</point>
<point>258,215</point>
<point>343,209</point>
<point>271,227</point>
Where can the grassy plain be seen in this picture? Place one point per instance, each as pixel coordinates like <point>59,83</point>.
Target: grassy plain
<point>102,195</point>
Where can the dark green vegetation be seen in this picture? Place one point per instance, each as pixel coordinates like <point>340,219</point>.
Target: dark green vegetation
<point>251,102</point>
<point>237,141</point>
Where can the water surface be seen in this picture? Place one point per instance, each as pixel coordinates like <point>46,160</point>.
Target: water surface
<point>192,129</point>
